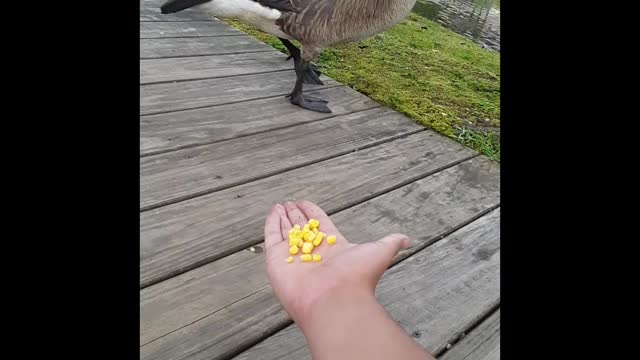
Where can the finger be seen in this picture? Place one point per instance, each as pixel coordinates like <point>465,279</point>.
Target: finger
<point>389,246</point>
<point>272,233</point>
<point>285,224</point>
<point>313,211</point>
<point>378,255</point>
<point>294,214</point>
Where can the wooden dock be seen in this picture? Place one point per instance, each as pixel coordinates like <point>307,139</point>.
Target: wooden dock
<point>219,145</point>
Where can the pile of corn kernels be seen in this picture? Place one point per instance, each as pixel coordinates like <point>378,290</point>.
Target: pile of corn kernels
<point>307,239</point>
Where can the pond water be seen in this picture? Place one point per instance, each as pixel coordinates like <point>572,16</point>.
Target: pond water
<point>478,20</point>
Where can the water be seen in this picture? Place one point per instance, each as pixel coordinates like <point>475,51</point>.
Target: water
<point>478,20</point>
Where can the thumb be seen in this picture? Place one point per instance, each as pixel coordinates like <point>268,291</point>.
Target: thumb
<point>380,254</point>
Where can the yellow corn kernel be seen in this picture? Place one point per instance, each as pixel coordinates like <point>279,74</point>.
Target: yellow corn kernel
<point>305,257</point>
<point>310,236</point>
<point>293,250</point>
<point>296,227</point>
<point>318,239</point>
<point>315,231</point>
<point>306,228</point>
<point>313,223</point>
<point>317,257</point>
<point>331,239</point>
<point>307,248</point>
<point>300,242</point>
<point>290,259</point>
<point>293,240</point>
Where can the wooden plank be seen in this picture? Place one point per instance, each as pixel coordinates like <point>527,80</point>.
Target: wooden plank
<point>185,95</point>
<point>201,67</point>
<point>179,175</point>
<point>434,295</point>
<point>180,299</point>
<point>172,131</point>
<point>153,30</point>
<point>153,14</point>
<point>178,237</point>
<point>175,47</point>
<point>483,343</point>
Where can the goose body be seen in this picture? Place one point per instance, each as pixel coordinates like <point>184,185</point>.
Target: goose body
<point>316,24</point>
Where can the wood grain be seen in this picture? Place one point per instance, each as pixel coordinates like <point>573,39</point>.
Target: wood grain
<point>150,11</point>
<point>434,295</point>
<point>185,95</point>
<point>173,29</point>
<point>176,298</point>
<point>213,66</point>
<point>176,47</point>
<point>183,174</point>
<point>482,343</point>
<point>216,301</point>
<point>177,130</point>
<point>177,237</point>
<point>183,299</point>
<point>154,15</point>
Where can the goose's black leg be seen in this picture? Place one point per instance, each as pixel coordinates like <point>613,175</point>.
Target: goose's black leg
<point>297,98</point>
<point>312,73</point>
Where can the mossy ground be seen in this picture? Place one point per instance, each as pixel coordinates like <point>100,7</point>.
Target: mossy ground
<point>425,71</point>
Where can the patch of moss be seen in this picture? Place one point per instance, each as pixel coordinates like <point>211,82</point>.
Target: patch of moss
<point>423,70</point>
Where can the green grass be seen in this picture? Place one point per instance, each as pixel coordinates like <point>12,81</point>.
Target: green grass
<point>486,142</point>
<point>431,74</point>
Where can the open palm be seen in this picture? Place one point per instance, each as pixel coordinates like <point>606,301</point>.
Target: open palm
<point>299,285</point>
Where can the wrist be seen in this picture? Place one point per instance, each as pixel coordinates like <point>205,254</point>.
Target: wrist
<point>336,306</point>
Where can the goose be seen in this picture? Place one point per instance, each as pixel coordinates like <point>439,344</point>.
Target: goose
<point>315,24</point>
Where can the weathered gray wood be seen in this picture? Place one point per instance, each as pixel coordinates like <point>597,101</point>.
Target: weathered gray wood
<point>222,307</point>
<point>483,343</point>
<point>175,47</point>
<point>446,209</point>
<point>150,11</point>
<point>153,14</point>
<point>177,237</point>
<point>189,343</point>
<point>434,295</point>
<point>164,132</point>
<point>171,29</point>
<point>200,67</point>
<point>181,300</point>
<point>182,174</point>
<point>185,95</point>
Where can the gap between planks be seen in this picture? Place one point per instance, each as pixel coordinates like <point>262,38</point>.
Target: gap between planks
<point>193,145</point>
<point>188,168</point>
<point>472,230</point>
<point>188,233</point>
<point>258,240</point>
<point>171,97</point>
<point>201,55</point>
<point>171,132</point>
<point>480,341</point>
<point>190,37</point>
<point>457,196</point>
<point>211,77</point>
<point>233,102</point>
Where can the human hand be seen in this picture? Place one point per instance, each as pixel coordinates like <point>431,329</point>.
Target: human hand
<point>346,268</point>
